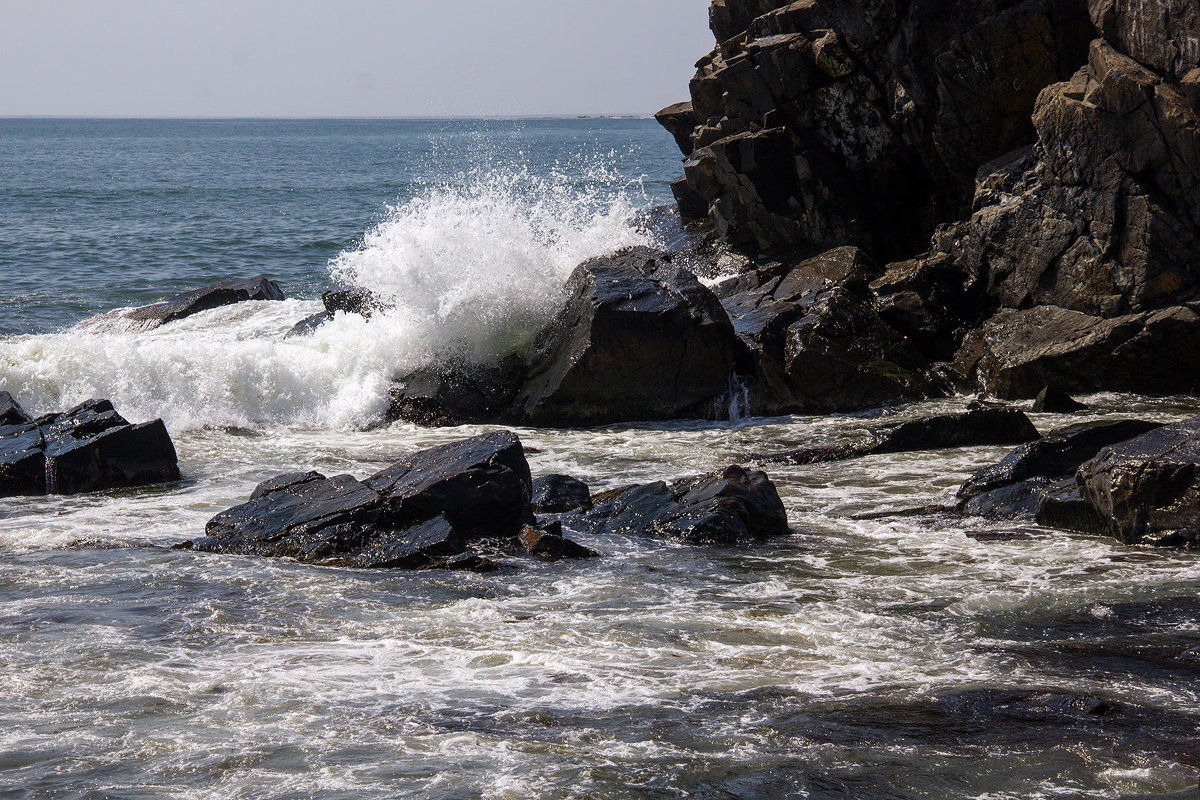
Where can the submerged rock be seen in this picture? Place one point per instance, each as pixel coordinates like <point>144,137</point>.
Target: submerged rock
<point>729,507</point>
<point>974,428</point>
<point>639,339</point>
<point>191,302</point>
<point>421,510</point>
<point>86,449</point>
<point>1147,489</point>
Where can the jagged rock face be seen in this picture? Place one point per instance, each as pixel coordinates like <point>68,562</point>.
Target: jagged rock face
<point>639,338</point>
<point>1164,34</point>
<point>1103,216</point>
<point>1016,353</point>
<point>817,341</point>
<point>861,121</point>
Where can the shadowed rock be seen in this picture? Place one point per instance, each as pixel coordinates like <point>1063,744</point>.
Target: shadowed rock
<point>1052,400</point>
<point>729,507</point>
<point>86,449</point>
<point>1147,489</point>
<point>639,339</point>
<point>556,494</point>
<point>975,428</point>
<point>547,543</point>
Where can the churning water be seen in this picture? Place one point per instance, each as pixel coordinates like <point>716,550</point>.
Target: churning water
<point>898,656</point>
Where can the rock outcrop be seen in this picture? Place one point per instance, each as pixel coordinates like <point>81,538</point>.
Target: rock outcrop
<point>86,449</point>
<point>639,339</point>
<point>191,302</point>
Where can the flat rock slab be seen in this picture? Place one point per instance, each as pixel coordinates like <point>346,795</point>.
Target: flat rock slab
<point>86,449</point>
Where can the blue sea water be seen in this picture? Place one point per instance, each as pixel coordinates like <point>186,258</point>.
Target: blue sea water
<point>99,214</point>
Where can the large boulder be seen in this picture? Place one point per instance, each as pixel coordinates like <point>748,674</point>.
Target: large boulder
<point>1015,354</point>
<point>191,302</point>
<point>448,393</point>
<point>847,121</point>
<point>638,339</point>
<point>818,343</point>
<point>86,449</point>
<point>419,511</point>
<point>974,428</point>
<point>729,507</point>
<point>1147,489</point>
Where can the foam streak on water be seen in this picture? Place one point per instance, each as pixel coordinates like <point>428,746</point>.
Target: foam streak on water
<point>474,268</point>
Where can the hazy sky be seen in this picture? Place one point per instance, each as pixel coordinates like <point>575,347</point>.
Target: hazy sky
<point>347,58</point>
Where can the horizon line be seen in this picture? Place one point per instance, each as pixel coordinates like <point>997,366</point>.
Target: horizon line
<point>320,117</point>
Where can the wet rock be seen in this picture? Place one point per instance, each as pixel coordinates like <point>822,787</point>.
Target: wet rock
<point>1062,505</point>
<point>556,494</point>
<point>1056,455</point>
<point>11,412</point>
<point>420,511</point>
<point>308,325</point>
<point>817,341</point>
<point>481,484</point>
<point>1051,400</point>
<point>86,449</point>
<point>1147,489</point>
<point>548,544</point>
<point>979,427</point>
<point>1013,501</point>
<point>351,299</point>
<point>1017,353</point>
<point>733,506</point>
<point>192,302</point>
<point>456,394</point>
<point>639,339</point>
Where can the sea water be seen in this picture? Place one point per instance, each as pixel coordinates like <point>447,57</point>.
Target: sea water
<point>864,656</point>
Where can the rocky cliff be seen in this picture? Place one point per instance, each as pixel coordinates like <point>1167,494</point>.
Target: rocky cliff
<point>1028,173</point>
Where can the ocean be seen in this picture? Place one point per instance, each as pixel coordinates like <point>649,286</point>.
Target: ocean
<point>865,656</point>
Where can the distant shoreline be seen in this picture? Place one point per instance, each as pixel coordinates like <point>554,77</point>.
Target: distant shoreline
<point>485,118</point>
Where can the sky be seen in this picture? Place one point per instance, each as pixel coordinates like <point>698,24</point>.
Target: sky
<point>347,58</point>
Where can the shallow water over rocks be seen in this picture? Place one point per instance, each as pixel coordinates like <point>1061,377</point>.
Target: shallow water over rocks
<point>899,656</point>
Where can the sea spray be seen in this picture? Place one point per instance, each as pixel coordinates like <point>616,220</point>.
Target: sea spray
<point>471,269</point>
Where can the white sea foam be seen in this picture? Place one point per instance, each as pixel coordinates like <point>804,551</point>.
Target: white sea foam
<point>473,268</point>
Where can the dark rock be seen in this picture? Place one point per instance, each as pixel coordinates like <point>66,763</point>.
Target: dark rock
<point>1013,501</point>
<point>481,484</point>
<point>466,562</point>
<point>1063,506</point>
<point>818,343</point>
<point>639,339</point>
<point>1017,353</point>
<point>1162,35</point>
<point>456,394</point>
<point>824,123</point>
<point>192,302</point>
<point>548,543</point>
<point>679,121</point>
<point>1147,489</point>
<point>351,299</point>
<point>417,513</point>
<point>692,205</point>
<point>1055,401</point>
<point>308,325</point>
<point>980,427</point>
<point>729,507</point>
<point>555,494</point>
<point>11,412</point>
<point>86,449</point>
<point>1053,456</point>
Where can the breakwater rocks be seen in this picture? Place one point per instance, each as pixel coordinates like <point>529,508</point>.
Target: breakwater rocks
<point>436,507</point>
<point>86,449</point>
<point>1026,173</point>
